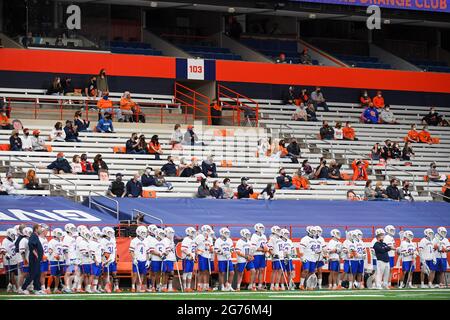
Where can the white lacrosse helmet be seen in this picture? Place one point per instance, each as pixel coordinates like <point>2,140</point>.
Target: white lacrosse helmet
<point>224,232</point>
<point>259,227</point>
<point>310,231</point>
<point>335,233</point>
<point>97,234</point>
<point>390,229</point>
<point>354,234</point>
<point>442,232</point>
<point>160,233</point>
<point>109,232</point>
<point>190,231</point>
<point>169,232</point>
<point>17,228</point>
<point>379,231</point>
<point>80,228</point>
<point>429,233</point>
<point>152,230</point>
<point>408,234</point>
<point>245,233</point>
<point>285,233</point>
<point>11,233</point>
<point>27,231</point>
<point>70,228</point>
<point>94,229</point>
<point>206,229</point>
<point>141,231</point>
<point>359,234</point>
<point>58,233</point>
<point>86,233</point>
<point>318,230</point>
<point>275,230</point>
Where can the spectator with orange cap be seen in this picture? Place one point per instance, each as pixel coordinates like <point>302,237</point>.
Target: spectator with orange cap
<point>190,137</point>
<point>60,165</point>
<point>378,100</point>
<point>360,170</point>
<point>413,135</point>
<point>37,142</point>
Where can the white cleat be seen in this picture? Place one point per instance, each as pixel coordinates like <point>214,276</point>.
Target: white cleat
<point>25,292</point>
<point>410,286</point>
<point>423,286</point>
<point>40,292</point>
<point>9,288</point>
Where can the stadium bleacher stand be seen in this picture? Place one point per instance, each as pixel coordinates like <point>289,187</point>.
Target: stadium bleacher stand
<point>363,61</point>
<point>430,65</point>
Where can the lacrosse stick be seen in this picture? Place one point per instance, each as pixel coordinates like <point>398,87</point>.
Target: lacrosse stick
<point>161,275</point>
<point>282,266</point>
<point>139,275</point>
<point>179,276</point>
<point>397,266</point>
<point>409,272</point>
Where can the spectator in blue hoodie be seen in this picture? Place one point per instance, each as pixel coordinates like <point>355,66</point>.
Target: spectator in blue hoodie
<point>147,179</point>
<point>105,124</point>
<point>209,167</point>
<point>71,132</point>
<point>370,114</point>
<point>60,165</point>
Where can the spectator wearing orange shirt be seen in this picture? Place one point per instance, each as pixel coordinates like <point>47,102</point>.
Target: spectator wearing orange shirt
<point>378,100</point>
<point>413,135</point>
<point>106,105</point>
<point>154,147</point>
<point>365,99</point>
<point>425,136</point>
<point>126,106</point>
<point>349,132</point>
<point>360,170</point>
<point>5,123</point>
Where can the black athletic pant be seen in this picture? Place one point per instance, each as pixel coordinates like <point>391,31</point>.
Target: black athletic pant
<point>34,275</point>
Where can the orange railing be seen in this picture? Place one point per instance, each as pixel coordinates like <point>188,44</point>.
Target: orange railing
<point>195,102</point>
<point>238,103</point>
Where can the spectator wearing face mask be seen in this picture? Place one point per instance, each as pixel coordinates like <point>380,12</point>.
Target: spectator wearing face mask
<point>290,96</point>
<point>190,137</point>
<point>176,138</point>
<point>154,147</point>
<point>105,124</point>
<point>102,82</point>
<point>281,58</point>
<point>268,192</point>
<point>126,107</point>
<point>306,170</point>
<point>57,133</point>
<point>5,123</point>
<point>90,90</point>
<point>369,193</point>
<point>364,99</point>
<point>132,144</point>
<point>370,114</point>
<point>378,100</point>
<point>425,136</point>
<point>405,193</point>
<point>9,185</point>
<point>311,112</point>
<point>227,190</point>
<point>305,58</point>
<point>360,170</point>
<point>407,152</point>
<point>338,133</point>
<point>105,105</point>
<point>209,168</point>
<point>71,132</point>
<point>433,174</point>
<point>293,150</point>
<point>160,181</point>
<point>387,116</point>
<point>380,192</point>
<point>203,190</point>
<point>413,135</point>
<point>326,132</point>
<point>55,88</point>
<point>147,179</point>
<point>300,113</point>
<point>386,152</point>
<point>80,124</point>
<point>348,132</point>
<point>37,142</point>
<point>76,165</point>
<point>396,152</point>
<point>392,190</point>
<point>134,187</point>
<point>15,143</point>
<point>300,181</point>
<point>322,170</point>
<point>31,182</point>
<point>433,118</point>
<point>99,163</point>
<point>27,143</point>
<point>284,181</point>
<point>86,166</point>
<point>216,191</point>
<point>446,190</point>
<point>319,100</point>
<point>376,151</point>
<point>169,169</point>
<point>244,189</point>
<point>60,165</point>
<point>117,187</point>
<point>335,170</point>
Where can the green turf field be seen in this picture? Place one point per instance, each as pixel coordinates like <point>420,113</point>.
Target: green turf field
<point>407,294</point>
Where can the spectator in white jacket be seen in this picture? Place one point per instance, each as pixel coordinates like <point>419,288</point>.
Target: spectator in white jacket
<point>57,133</point>
<point>76,165</point>
<point>26,140</point>
<point>9,185</point>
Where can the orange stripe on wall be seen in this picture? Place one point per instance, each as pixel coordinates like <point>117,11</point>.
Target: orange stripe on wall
<point>86,63</point>
<point>255,72</point>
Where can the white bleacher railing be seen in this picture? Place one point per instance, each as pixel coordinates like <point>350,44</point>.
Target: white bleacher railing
<point>92,201</point>
<point>146,214</point>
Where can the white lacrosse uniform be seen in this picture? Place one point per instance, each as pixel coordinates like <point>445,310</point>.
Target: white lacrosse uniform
<point>223,249</point>
<point>258,242</point>
<point>23,248</point>
<point>169,248</point>
<point>243,247</point>
<point>310,247</point>
<point>55,249</point>
<point>333,245</point>
<point>442,244</point>
<point>10,248</point>
<point>276,245</point>
<point>360,250</point>
<point>407,250</point>
<point>347,248</point>
<point>203,246</point>
<point>96,251</point>
<point>110,246</point>
<point>426,249</point>
<point>84,251</point>
<point>139,248</point>
<point>390,241</point>
<point>156,246</point>
<point>70,246</point>
<point>188,245</point>
<point>44,243</point>
<point>323,244</point>
<point>372,253</point>
<point>289,250</point>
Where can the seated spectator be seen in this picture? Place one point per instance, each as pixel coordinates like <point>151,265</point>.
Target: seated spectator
<point>433,118</point>
<point>413,135</point>
<point>3,191</point>
<point>433,174</point>
<point>348,132</point>
<point>369,193</point>
<point>154,147</point>
<point>280,151</point>
<point>304,97</point>
<point>378,100</point>
<point>137,114</point>
<point>284,181</point>
<point>396,153</point>
<point>132,144</point>
<point>190,137</point>
<point>99,163</point>
<point>311,112</point>
<point>338,133</point>
<point>227,190</point>
<point>80,124</point>
<point>59,41</point>
<point>352,196</point>
<point>126,107</point>
<point>376,152</point>
<point>56,88</point>
<point>176,138</point>
<point>387,151</point>
<point>37,142</point>
<point>380,192</point>
<point>160,181</point>
<point>216,191</point>
<point>300,181</point>
<point>60,165</point>
<point>387,116</point>
<point>184,169</point>
<point>57,133</point>
<point>360,170</point>
<point>28,40</point>
<point>405,193</point>
<point>86,166</point>
<point>290,96</point>
<point>71,132</point>
<point>31,182</point>
<point>169,169</point>
<point>264,147</point>
<point>446,190</point>
<point>9,186</point>
<point>293,150</point>
<point>209,168</point>
<point>281,58</point>
<point>319,100</point>
<point>105,105</point>
<point>326,132</point>
<point>134,187</point>
<point>27,141</point>
<point>425,136</point>
<point>322,170</point>
<point>364,99</point>
<point>268,192</point>
<point>203,190</point>
<point>370,115</point>
<point>69,90</point>
<point>305,58</point>
<point>407,152</point>
<point>105,124</point>
<point>117,187</point>
<point>147,179</point>
<point>335,171</point>
<point>142,147</point>
<point>306,170</point>
<point>392,190</point>
<point>5,123</point>
<point>91,87</point>
<point>193,169</point>
<point>15,143</point>
<point>300,113</point>
<point>244,189</point>
<point>76,165</point>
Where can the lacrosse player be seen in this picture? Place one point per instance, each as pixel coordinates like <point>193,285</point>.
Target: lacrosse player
<point>8,250</point>
<point>289,253</point>
<point>320,258</point>
<point>158,255</point>
<point>350,261</point>
<point>55,256</point>
<point>441,246</point>
<point>390,241</point>
<point>361,256</point>
<point>23,258</point>
<point>334,248</point>
<point>139,253</point>
<point>276,250</point>
<point>259,241</point>
<point>70,257</point>
<point>149,241</point>
<point>168,263</point>
<point>110,253</point>
<point>96,253</point>
<point>223,247</point>
<point>188,248</point>
<point>427,258</point>
<point>408,252</point>
<point>204,251</point>
<point>309,249</point>
<point>44,262</point>
<point>244,252</point>
<point>86,261</point>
